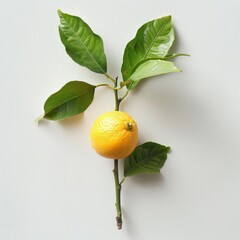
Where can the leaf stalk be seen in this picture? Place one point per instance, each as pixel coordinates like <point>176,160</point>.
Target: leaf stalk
<point>122,180</point>
<point>110,78</point>
<point>125,95</point>
<point>104,85</point>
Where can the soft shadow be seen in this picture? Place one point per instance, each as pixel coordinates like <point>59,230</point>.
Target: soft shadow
<point>72,121</point>
<point>148,180</point>
<point>42,122</point>
<point>127,223</point>
<point>68,122</point>
<point>176,44</point>
<point>143,180</point>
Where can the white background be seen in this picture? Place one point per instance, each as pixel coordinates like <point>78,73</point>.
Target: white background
<point>52,183</point>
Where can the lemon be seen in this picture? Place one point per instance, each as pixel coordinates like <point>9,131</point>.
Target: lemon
<point>114,135</point>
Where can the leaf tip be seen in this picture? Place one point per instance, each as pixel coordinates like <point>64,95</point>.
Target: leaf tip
<point>39,118</point>
<point>60,13</point>
<point>169,17</point>
<point>168,149</point>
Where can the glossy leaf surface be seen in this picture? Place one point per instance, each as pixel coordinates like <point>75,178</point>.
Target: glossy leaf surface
<point>147,158</point>
<point>81,43</point>
<point>153,40</point>
<point>151,68</point>
<point>72,99</point>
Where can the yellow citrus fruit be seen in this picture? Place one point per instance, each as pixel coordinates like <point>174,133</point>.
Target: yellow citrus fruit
<point>114,135</point>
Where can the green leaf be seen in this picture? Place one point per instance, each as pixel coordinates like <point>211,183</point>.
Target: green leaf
<point>72,99</point>
<point>151,68</point>
<point>153,40</point>
<point>81,43</point>
<point>147,158</point>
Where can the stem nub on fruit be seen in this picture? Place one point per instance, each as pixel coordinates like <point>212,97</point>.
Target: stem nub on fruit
<point>129,126</point>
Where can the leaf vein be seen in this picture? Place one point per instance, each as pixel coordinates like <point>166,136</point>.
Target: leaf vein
<point>80,40</point>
